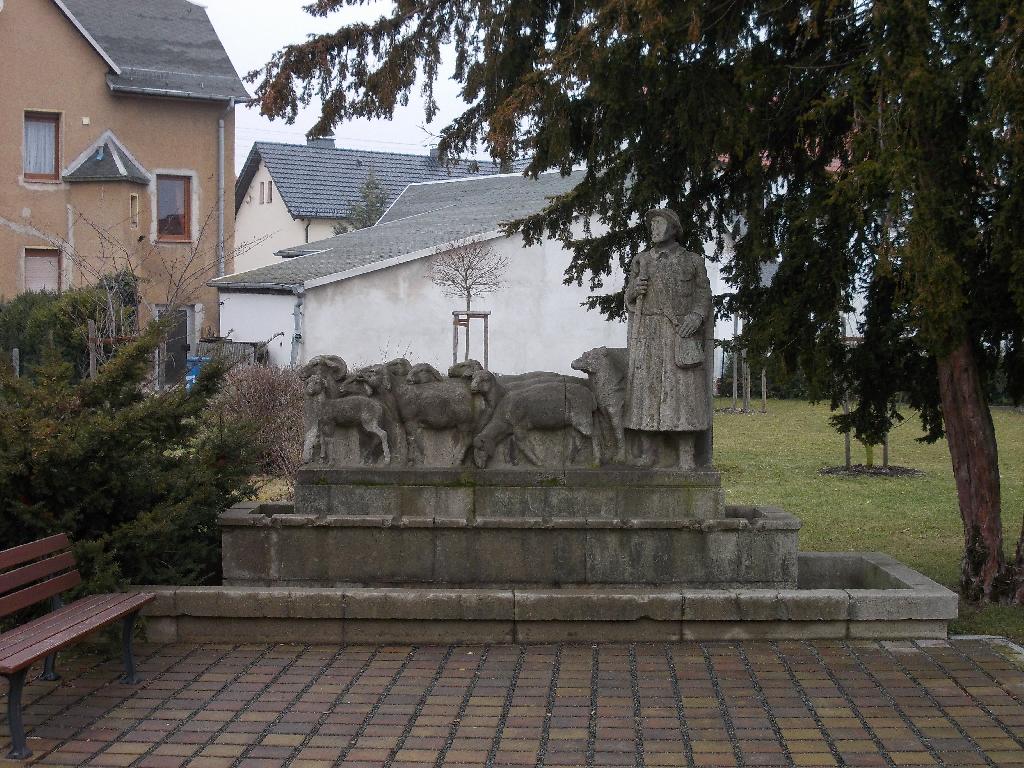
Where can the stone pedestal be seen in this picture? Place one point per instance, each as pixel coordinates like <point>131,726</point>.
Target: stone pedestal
<point>508,527</point>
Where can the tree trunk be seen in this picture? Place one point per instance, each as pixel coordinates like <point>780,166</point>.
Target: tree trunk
<point>1018,592</point>
<point>972,447</point>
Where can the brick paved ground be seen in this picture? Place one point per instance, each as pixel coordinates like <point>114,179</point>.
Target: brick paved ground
<point>711,704</point>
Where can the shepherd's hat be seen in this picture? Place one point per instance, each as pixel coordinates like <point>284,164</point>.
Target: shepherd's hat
<point>667,214</point>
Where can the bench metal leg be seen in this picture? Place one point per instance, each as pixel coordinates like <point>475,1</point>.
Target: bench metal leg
<point>16,683</point>
<point>127,629</point>
<point>49,672</point>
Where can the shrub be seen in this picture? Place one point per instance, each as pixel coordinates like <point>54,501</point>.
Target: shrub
<point>46,325</point>
<point>266,402</point>
<point>128,474</point>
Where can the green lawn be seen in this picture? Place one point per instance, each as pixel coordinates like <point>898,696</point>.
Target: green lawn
<point>775,459</point>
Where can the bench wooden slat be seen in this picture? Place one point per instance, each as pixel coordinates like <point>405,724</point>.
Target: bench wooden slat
<point>39,630</point>
<point>133,601</point>
<point>23,636</point>
<point>19,577</point>
<point>41,591</point>
<point>34,549</point>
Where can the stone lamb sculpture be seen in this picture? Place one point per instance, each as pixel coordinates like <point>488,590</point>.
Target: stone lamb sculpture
<point>380,384</point>
<point>606,369</point>
<point>544,405</point>
<point>349,410</point>
<point>330,371</point>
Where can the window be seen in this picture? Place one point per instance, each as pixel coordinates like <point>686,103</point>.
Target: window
<point>270,191</point>
<point>263,193</point>
<point>42,146</point>
<point>42,269</point>
<point>173,208</point>
<point>133,211</point>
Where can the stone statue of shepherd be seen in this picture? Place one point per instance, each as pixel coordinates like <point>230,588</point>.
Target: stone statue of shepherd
<point>668,297</point>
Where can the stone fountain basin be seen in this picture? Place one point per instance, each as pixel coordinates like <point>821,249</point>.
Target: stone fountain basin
<point>851,595</point>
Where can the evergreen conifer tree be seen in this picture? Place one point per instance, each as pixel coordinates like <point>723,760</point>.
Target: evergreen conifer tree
<point>873,145</point>
<point>131,475</point>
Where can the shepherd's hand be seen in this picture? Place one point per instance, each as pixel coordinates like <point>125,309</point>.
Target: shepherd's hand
<point>689,324</point>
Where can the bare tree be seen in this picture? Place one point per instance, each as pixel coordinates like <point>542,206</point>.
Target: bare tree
<point>468,271</point>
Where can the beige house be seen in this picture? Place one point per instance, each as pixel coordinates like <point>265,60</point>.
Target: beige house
<point>117,118</point>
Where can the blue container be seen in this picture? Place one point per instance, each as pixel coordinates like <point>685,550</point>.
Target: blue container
<point>195,365</point>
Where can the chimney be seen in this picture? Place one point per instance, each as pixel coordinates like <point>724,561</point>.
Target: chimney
<point>435,155</point>
<point>323,142</point>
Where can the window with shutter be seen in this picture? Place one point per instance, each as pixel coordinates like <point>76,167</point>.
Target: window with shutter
<point>42,269</point>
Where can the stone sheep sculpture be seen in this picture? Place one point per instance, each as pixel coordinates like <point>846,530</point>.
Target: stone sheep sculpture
<point>395,401</point>
<point>544,405</point>
<point>349,410</point>
<point>427,399</point>
<point>606,369</point>
<point>464,369</point>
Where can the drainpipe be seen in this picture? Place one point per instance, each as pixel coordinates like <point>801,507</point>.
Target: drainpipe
<point>297,333</point>
<point>308,222</point>
<point>221,174</point>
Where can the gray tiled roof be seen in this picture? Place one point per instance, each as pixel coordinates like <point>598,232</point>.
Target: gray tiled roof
<point>108,162</point>
<point>425,216</point>
<point>318,182</point>
<point>162,47</point>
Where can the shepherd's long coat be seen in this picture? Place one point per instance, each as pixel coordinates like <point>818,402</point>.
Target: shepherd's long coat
<point>661,394</point>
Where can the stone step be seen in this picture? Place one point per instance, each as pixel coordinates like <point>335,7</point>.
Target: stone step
<point>842,595</point>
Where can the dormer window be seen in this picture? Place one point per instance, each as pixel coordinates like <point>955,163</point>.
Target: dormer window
<point>42,146</point>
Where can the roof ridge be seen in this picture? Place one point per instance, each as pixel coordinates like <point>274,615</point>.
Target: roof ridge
<point>491,177</point>
<point>368,151</point>
<point>88,36</point>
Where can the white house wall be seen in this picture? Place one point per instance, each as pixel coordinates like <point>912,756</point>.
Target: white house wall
<point>319,229</point>
<point>536,322</point>
<point>257,317</point>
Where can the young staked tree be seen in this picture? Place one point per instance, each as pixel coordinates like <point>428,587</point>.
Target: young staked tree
<point>468,271</point>
<point>873,145</point>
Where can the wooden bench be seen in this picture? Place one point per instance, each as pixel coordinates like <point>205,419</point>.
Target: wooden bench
<point>38,571</point>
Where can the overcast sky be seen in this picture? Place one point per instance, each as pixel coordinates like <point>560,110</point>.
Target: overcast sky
<point>251,30</point>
